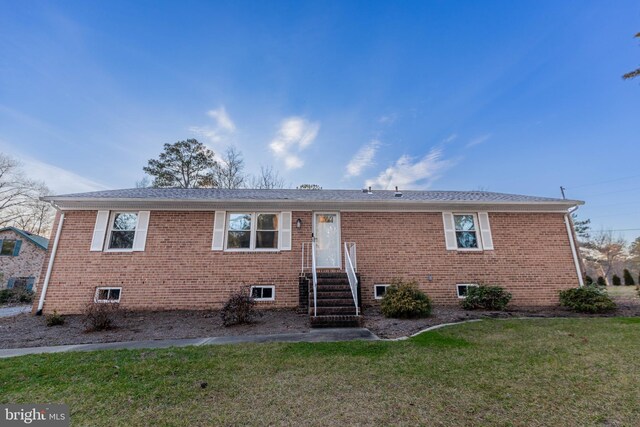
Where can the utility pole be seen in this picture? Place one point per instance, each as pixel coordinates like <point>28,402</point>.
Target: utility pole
<point>562,191</point>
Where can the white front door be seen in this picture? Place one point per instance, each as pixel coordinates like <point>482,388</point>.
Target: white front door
<point>327,234</point>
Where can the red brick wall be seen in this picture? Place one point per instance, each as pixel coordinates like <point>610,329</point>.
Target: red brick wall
<point>178,269</point>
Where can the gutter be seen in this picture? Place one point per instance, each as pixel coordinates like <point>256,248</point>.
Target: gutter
<point>572,243</point>
<point>47,277</point>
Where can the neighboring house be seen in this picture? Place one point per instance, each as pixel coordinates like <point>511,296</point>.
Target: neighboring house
<point>190,248</point>
<point>21,257</point>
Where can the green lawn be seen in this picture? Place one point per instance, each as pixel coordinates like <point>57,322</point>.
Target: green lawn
<point>573,372</point>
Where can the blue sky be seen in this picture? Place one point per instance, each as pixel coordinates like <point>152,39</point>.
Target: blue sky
<point>505,96</point>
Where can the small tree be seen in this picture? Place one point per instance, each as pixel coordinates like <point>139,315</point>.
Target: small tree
<point>615,279</point>
<point>581,227</point>
<point>588,280</point>
<point>184,164</point>
<point>628,278</point>
<point>309,187</point>
<point>601,281</point>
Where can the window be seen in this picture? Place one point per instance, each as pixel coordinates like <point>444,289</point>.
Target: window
<point>462,289</point>
<point>122,230</point>
<point>8,247</point>
<point>466,231</point>
<point>379,291</point>
<point>263,293</point>
<point>252,231</point>
<point>107,295</point>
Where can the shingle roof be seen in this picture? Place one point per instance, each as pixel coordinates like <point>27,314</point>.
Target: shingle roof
<point>215,194</point>
<point>39,241</point>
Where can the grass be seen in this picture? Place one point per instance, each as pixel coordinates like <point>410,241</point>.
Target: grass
<point>629,292</point>
<point>546,372</point>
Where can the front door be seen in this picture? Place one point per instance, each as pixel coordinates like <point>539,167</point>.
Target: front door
<point>327,234</point>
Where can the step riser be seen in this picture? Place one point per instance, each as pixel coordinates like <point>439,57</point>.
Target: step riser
<point>344,311</point>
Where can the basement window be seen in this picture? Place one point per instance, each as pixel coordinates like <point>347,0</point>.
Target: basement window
<point>379,291</point>
<point>107,295</point>
<point>463,288</point>
<point>263,293</point>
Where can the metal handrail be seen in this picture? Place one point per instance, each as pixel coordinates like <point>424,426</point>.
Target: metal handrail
<point>349,253</point>
<point>314,274</point>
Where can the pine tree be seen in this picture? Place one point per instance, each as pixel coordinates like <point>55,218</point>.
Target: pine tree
<point>615,279</point>
<point>628,278</point>
<point>601,281</point>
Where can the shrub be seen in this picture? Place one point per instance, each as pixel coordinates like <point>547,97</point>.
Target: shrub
<point>588,280</point>
<point>404,300</point>
<point>587,299</point>
<point>628,278</point>
<point>486,297</point>
<point>601,281</point>
<point>100,316</point>
<point>16,296</point>
<point>615,280</point>
<point>239,308</point>
<point>55,319</point>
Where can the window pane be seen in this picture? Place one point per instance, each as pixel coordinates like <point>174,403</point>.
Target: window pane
<point>267,222</point>
<point>121,239</point>
<point>466,239</point>
<point>380,291</point>
<point>325,218</point>
<point>464,222</point>
<point>240,222</point>
<point>239,239</point>
<point>114,294</point>
<point>267,239</point>
<point>255,292</point>
<point>462,291</point>
<point>267,293</point>
<point>7,247</point>
<point>125,221</point>
<point>103,294</point>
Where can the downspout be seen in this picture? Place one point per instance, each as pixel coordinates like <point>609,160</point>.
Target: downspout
<point>572,243</point>
<point>45,285</point>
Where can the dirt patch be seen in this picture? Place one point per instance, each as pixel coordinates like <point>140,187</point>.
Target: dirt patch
<point>26,330</point>
<point>628,305</point>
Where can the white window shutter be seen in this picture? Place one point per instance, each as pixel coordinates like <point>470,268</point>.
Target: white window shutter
<point>449,231</point>
<point>285,231</point>
<point>217,243</point>
<point>485,231</point>
<point>140,238</point>
<point>100,229</point>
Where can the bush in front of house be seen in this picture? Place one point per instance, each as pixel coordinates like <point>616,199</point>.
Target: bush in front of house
<point>628,278</point>
<point>16,296</point>
<point>239,309</point>
<point>486,297</point>
<point>601,281</point>
<point>55,319</point>
<point>587,299</point>
<point>100,316</point>
<point>403,300</point>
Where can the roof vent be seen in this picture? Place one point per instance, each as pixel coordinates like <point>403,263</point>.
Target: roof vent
<point>397,193</point>
<point>369,192</point>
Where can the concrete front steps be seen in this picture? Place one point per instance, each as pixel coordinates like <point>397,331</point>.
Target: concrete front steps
<point>335,306</point>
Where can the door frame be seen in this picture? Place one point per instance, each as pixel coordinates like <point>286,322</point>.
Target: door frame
<point>339,224</point>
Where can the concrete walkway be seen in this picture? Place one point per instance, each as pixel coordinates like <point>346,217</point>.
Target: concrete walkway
<point>315,335</point>
<point>14,311</point>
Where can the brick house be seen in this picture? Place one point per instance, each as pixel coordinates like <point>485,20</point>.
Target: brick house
<point>21,257</point>
<point>331,251</point>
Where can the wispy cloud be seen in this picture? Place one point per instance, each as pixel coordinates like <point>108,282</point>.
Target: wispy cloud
<point>477,141</point>
<point>411,173</point>
<point>222,129</point>
<point>363,159</point>
<point>388,119</point>
<point>59,180</point>
<point>295,134</point>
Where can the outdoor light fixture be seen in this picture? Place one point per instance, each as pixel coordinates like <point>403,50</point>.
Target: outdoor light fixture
<point>298,223</point>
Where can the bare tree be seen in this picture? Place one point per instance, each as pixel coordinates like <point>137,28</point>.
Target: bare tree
<point>230,170</point>
<point>605,253</point>
<point>267,179</point>
<point>20,204</point>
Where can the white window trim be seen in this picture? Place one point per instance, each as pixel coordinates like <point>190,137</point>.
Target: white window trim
<point>253,230</point>
<point>375,296</point>
<point>112,218</point>
<point>107,301</point>
<point>464,284</point>
<point>273,292</point>
<point>476,229</point>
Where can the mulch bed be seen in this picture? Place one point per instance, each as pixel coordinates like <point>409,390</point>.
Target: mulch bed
<point>26,330</point>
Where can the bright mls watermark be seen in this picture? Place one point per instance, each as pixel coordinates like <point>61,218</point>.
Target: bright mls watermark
<point>34,415</point>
